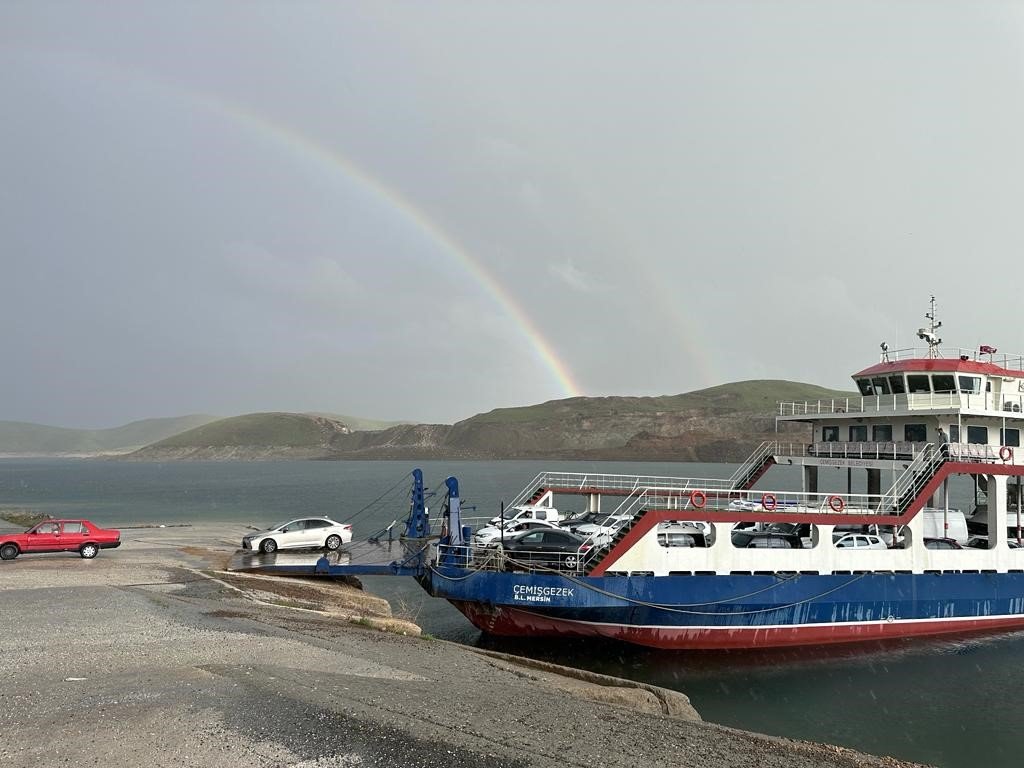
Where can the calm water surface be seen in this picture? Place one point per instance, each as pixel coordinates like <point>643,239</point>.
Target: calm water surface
<point>956,703</point>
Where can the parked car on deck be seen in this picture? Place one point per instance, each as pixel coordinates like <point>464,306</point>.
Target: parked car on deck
<point>79,536</point>
<point>755,540</point>
<point>491,535</point>
<point>941,544</point>
<point>857,541</point>
<point>549,548</point>
<point>303,533</point>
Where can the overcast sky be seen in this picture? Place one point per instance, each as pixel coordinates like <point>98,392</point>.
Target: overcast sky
<point>427,210</point>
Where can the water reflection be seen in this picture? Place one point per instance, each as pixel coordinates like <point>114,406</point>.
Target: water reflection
<point>245,559</point>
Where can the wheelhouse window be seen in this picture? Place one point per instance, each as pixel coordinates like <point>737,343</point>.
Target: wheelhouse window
<point>881,385</point>
<point>943,382</point>
<point>918,384</point>
<point>864,385</point>
<point>897,385</point>
<point>954,433</point>
<point>970,385</point>
<point>1009,437</point>
<point>915,433</point>
<point>859,433</point>
<point>977,435</point>
<point>830,434</point>
<point>881,433</point>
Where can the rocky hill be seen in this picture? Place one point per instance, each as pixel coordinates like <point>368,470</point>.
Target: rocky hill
<point>718,424</point>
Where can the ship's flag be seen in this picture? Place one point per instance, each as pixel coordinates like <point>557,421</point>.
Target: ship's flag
<point>985,349</point>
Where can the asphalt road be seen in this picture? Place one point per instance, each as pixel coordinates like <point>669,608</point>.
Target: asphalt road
<point>135,658</point>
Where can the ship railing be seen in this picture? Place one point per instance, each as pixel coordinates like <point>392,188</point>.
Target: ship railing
<point>850,450</point>
<point>883,450</point>
<point>761,501</point>
<point>593,482</point>
<point>1010,402</point>
<point>916,476</point>
<point>1012,362</point>
<point>754,462</point>
<point>496,558</point>
<point>527,493</point>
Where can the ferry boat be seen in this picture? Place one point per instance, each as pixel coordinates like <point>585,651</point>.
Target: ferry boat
<point>639,588</point>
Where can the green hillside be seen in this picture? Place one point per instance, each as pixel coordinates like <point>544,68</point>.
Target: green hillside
<point>20,438</point>
<point>284,430</point>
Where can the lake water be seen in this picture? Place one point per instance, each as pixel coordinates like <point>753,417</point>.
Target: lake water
<point>948,703</point>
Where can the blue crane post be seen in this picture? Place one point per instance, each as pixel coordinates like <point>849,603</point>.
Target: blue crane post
<point>418,524</point>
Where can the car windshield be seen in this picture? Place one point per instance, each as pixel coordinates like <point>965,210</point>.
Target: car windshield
<point>277,526</point>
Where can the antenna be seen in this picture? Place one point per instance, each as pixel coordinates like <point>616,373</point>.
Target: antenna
<point>928,334</point>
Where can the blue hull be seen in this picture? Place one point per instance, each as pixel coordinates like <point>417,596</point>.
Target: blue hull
<point>691,611</point>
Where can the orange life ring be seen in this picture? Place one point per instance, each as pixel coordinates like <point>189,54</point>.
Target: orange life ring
<point>1006,453</point>
<point>698,499</point>
<point>836,503</point>
<point>769,502</point>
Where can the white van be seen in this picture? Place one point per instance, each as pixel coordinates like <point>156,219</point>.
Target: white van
<point>934,526</point>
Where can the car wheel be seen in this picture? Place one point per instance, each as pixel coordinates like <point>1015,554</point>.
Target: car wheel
<point>268,546</point>
<point>333,542</point>
<point>89,551</point>
<point>571,561</point>
<point>8,552</point>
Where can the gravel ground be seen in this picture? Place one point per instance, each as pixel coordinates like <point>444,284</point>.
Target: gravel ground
<point>135,658</point>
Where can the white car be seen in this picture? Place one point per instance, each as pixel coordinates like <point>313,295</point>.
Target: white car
<point>491,535</point>
<point>305,532</point>
<point>858,541</point>
<point>603,531</point>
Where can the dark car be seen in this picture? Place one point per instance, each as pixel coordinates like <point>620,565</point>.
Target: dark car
<point>766,540</point>
<point>549,548</point>
<point>79,536</point>
<point>941,544</point>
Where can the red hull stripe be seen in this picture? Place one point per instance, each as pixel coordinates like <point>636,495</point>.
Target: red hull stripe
<point>514,622</point>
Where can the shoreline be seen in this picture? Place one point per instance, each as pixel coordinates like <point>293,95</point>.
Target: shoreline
<point>176,662</point>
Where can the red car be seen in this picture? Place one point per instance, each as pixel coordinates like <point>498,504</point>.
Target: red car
<point>79,536</point>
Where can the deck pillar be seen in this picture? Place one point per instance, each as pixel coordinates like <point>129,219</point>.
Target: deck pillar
<point>997,517</point>
<point>594,502</point>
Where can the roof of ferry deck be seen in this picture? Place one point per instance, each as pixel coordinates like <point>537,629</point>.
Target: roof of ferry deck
<point>938,364</point>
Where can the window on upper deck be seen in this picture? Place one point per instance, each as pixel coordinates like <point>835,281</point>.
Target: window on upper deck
<point>943,382</point>
<point>970,385</point>
<point>858,433</point>
<point>881,385</point>
<point>881,433</point>
<point>954,433</point>
<point>918,383</point>
<point>1009,437</point>
<point>897,385</point>
<point>830,434</point>
<point>864,385</point>
<point>915,433</point>
<point>977,435</point>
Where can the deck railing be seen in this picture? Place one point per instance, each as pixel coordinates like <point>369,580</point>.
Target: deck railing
<point>1007,361</point>
<point>883,451</point>
<point>1011,402</point>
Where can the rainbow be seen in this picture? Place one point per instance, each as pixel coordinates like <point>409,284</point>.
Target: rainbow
<point>322,157</point>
